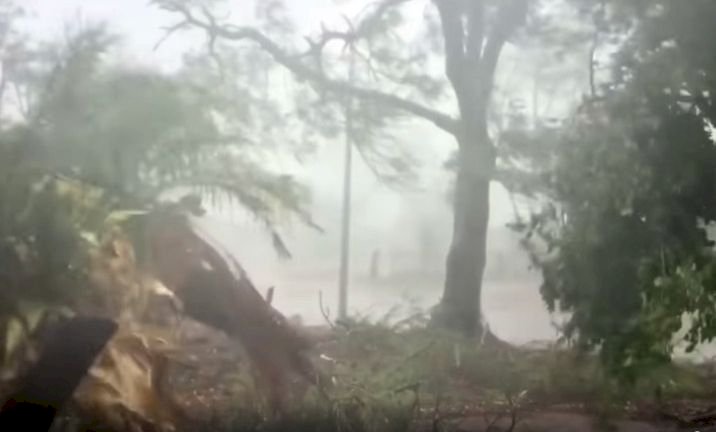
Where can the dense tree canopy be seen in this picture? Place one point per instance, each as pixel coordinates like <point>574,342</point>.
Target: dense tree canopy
<point>630,191</point>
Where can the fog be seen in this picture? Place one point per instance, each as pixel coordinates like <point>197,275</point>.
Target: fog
<point>183,245</point>
<point>386,218</point>
<point>402,223</point>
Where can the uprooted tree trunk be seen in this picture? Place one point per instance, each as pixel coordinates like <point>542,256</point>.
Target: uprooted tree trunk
<point>215,290</point>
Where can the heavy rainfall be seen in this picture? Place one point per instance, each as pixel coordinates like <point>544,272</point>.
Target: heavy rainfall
<point>357,215</point>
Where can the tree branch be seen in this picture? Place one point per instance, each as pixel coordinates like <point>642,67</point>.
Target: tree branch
<point>381,7</point>
<point>294,64</point>
<point>372,13</point>
<point>510,16</point>
<point>327,36</point>
<point>168,32</point>
<point>453,35</point>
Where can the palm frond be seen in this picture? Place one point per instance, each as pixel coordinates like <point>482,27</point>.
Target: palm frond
<point>221,192</point>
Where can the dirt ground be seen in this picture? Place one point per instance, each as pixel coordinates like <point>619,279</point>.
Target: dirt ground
<point>204,383</point>
<point>562,422</point>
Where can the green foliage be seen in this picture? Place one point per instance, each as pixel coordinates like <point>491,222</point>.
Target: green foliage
<point>622,243</point>
<point>374,50</point>
<point>98,142</point>
<point>386,379</point>
<point>141,134</point>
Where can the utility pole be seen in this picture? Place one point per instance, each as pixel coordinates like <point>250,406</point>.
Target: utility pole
<point>346,219</point>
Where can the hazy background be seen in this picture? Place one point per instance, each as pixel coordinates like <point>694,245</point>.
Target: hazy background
<point>410,227</point>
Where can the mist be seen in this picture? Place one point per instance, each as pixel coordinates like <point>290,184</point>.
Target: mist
<point>519,194</point>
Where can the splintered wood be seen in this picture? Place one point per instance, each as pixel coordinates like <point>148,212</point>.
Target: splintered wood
<point>215,290</point>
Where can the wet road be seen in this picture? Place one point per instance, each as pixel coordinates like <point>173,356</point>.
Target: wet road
<point>514,309</point>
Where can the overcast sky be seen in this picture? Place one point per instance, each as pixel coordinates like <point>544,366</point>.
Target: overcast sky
<point>383,218</point>
<point>140,27</point>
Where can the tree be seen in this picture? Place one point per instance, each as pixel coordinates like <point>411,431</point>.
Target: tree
<point>629,194</point>
<point>98,144</point>
<point>94,140</point>
<point>394,80</point>
<point>151,133</point>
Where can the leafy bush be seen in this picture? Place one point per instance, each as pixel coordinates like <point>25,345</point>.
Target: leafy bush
<point>622,240</point>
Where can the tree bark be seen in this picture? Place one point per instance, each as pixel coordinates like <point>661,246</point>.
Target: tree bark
<point>216,291</point>
<point>471,56</point>
<point>460,307</point>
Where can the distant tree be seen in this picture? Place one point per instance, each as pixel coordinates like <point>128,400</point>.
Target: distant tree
<point>397,78</point>
<point>91,140</point>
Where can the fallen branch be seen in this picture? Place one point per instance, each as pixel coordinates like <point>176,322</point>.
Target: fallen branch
<point>222,296</point>
<point>324,311</point>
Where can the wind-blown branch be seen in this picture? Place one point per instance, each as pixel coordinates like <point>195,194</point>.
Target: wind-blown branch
<point>294,64</point>
<point>453,34</point>
<point>365,27</point>
<point>472,52</point>
<point>511,15</point>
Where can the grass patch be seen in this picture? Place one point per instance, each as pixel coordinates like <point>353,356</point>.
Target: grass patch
<point>388,376</point>
<point>397,378</point>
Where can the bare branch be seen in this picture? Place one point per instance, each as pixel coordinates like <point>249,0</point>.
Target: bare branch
<point>453,34</point>
<point>169,31</point>
<point>325,312</point>
<point>317,45</point>
<point>211,43</point>
<point>374,16</point>
<point>294,64</point>
<point>510,16</point>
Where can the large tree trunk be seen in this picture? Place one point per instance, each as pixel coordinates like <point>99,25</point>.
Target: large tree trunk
<point>461,302</point>
<point>474,33</point>
<point>472,51</point>
<point>460,308</point>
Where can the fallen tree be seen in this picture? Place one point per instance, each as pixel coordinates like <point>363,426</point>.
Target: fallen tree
<point>175,260</point>
<point>215,290</point>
